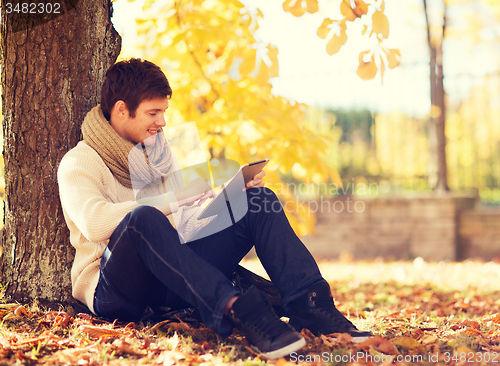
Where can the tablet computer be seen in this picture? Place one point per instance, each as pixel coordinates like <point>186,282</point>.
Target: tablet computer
<point>234,187</point>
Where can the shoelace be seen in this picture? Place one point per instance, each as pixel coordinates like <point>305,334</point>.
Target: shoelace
<point>265,322</point>
<point>327,307</point>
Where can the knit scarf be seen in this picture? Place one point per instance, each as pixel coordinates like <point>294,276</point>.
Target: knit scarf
<point>134,166</point>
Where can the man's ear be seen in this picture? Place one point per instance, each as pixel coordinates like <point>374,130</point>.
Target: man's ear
<point>120,108</point>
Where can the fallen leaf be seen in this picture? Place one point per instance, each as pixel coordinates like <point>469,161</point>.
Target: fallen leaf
<point>173,341</point>
<point>428,339</point>
<point>472,331</point>
<point>97,332</point>
<point>125,347</point>
<point>388,348</point>
<point>406,342</point>
<point>21,311</point>
<point>168,358</point>
<point>327,341</point>
<point>4,343</point>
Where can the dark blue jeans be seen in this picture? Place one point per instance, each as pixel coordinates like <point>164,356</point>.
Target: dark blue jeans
<point>145,264</point>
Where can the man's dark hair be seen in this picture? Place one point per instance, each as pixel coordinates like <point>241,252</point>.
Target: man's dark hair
<point>133,81</point>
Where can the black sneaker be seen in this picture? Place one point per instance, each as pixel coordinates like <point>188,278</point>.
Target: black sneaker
<point>316,311</point>
<point>254,316</point>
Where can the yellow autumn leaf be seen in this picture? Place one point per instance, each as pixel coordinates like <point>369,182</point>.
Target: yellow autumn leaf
<point>361,8</point>
<point>380,24</point>
<point>312,6</point>
<point>248,63</point>
<point>393,57</point>
<point>337,41</point>
<point>324,28</point>
<point>294,7</point>
<point>366,70</point>
<point>263,75</point>
<point>346,10</point>
<point>273,56</point>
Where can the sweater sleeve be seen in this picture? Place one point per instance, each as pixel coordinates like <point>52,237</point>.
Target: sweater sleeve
<point>82,178</point>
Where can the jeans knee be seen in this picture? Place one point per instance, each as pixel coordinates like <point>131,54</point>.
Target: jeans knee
<point>143,211</point>
<point>145,222</point>
<point>262,192</point>
<point>144,215</point>
<point>263,199</point>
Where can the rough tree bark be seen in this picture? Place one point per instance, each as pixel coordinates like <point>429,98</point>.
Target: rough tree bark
<point>437,136</point>
<point>52,69</point>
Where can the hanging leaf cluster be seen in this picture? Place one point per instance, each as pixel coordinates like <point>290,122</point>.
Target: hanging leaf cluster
<point>371,14</point>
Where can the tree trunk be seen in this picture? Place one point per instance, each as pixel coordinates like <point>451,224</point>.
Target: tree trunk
<point>52,68</point>
<point>438,176</point>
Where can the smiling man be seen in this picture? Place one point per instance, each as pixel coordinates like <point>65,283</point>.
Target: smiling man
<point>147,122</point>
<point>129,256</point>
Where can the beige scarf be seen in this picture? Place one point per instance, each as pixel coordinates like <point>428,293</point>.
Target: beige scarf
<point>134,166</point>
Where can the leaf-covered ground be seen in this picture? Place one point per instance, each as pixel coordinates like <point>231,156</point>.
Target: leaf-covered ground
<point>422,313</point>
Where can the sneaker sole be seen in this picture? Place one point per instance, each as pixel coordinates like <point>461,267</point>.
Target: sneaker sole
<point>285,351</point>
<point>302,325</point>
<point>360,339</point>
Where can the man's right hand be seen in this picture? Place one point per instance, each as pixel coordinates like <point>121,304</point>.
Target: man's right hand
<point>196,190</point>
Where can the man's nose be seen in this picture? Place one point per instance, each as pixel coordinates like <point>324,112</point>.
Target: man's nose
<point>161,121</point>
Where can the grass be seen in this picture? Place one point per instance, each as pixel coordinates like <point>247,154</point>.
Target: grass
<point>422,313</point>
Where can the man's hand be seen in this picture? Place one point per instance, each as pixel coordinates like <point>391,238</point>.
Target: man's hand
<point>257,181</point>
<point>196,190</point>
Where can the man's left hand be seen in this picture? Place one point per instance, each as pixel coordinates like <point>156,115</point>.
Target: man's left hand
<point>257,181</point>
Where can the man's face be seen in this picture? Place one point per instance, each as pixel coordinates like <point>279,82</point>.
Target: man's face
<point>149,118</point>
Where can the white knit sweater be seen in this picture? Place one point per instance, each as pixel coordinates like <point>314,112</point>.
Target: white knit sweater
<point>94,203</point>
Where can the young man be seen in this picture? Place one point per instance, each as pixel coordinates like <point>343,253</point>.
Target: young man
<point>129,254</point>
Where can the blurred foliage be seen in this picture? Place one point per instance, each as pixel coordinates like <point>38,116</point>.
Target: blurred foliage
<point>392,150</point>
<point>220,74</point>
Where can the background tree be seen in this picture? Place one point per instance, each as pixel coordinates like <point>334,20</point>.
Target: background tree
<point>437,29</point>
<point>437,119</point>
<point>52,69</point>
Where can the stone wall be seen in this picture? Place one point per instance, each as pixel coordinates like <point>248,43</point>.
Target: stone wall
<point>432,227</point>
<point>479,234</point>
